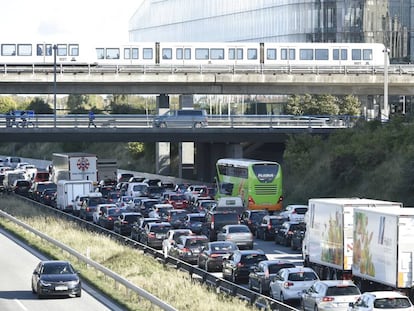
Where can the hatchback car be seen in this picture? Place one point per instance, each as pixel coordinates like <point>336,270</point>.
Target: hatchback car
<point>260,277</point>
<point>289,283</point>
<point>268,225</point>
<point>212,256</point>
<point>295,212</point>
<point>194,222</point>
<point>56,278</point>
<point>154,233</point>
<point>252,219</point>
<point>380,301</point>
<point>283,235</point>
<point>124,223</point>
<point>188,248</point>
<point>330,295</point>
<point>239,234</point>
<point>237,267</point>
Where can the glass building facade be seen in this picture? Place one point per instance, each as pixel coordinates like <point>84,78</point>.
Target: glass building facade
<point>383,21</point>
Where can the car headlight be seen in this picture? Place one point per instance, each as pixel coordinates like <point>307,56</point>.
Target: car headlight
<point>73,283</point>
<point>46,284</point>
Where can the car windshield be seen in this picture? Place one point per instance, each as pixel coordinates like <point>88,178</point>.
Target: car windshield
<point>57,268</point>
<point>392,303</point>
<point>342,291</point>
<point>302,276</point>
<point>239,229</point>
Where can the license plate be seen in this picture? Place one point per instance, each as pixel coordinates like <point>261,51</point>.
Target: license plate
<point>61,287</point>
<point>159,236</point>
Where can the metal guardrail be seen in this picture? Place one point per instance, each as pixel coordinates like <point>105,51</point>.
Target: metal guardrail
<point>222,286</point>
<point>146,121</point>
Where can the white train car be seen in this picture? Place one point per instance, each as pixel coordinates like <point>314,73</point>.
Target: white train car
<point>132,53</point>
<point>324,54</point>
<point>28,53</point>
<point>209,53</point>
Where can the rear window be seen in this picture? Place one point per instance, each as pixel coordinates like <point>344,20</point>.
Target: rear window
<point>301,210</point>
<point>253,258</point>
<point>131,218</point>
<point>302,276</point>
<point>273,269</point>
<point>392,303</point>
<point>160,229</point>
<point>195,242</point>
<point>342,291</point>
<point>239,230</point>
<point>226,217</point>
<point>277,221</point>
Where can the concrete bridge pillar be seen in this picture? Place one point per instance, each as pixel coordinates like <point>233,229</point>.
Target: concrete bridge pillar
<point>162,149</point>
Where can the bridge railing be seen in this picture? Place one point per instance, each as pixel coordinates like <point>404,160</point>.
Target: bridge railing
<point>146,121</point>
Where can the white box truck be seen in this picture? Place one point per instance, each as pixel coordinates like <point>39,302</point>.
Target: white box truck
<point>383,249</point>
<point>68,190</point>
<point>328,243</point>
<point>74,166</point>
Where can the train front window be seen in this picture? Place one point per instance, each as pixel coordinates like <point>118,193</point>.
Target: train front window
<point>201,54</point>
<point>356,54</point>
<point>100,53</point>
<point>271,54</point>
<point>147,53</point>
<point>251,53</point>
<point>24,49</point>
<point>74,49</point>
<point>321,54</point>
<point>8,50</point>
<point>112,53</point>
<point>367,54</point>
<point>306,54</point>
<point>217,53</point>
<point>166,53</point>
<point>62,50</point>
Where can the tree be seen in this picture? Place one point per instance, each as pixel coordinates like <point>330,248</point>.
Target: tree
<point>77,103</point>
<point>350,105</point>
<point>294,105</point>
<point>38,105</point>
<point>7,104</point>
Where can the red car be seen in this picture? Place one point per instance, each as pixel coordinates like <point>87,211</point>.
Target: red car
<point>177,200</point>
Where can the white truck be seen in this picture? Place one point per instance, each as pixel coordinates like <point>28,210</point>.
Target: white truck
<point>383,249</point>
<point>68,190</point>
<point>74,166</point>
<point>328,243</point>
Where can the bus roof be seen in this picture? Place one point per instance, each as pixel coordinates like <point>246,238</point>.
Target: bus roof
<point>243,162</point>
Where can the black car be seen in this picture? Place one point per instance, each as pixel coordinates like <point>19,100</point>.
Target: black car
<point>108,216</point>
<point>215,221</point>
<point>188,247</point>
<point>48,197</point>
<point>268,225</point>
<point>212,255</point>
<point>283,235</point>
<point>176,218</point>
<point>56,278</point>
<point>154,233</point>
<point>138,227</point>
<point>123,224</point>
<point>238,266</point>
<point>252,219</point>
<point>194,222</point>
<point>21,187</point>
<point>260,276</point>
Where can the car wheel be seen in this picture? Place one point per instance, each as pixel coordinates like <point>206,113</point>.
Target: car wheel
<point>39,295</point>
<point>79,294</point>
<point>277,240</point>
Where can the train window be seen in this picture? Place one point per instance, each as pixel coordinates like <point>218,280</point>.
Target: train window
<point>166,53</point>
<point>217,53</point>
<point>287,54</point>
<point>100,53</point>
<point>232,53</point>
<point>127,53</point>
<point>8,50</point>
<point>130,53</point>
<point>321,54</point>
<point>49,50</point>
<point>62,50</point>
<point>251,53</point>
<point>74,49</point>
<point>147,53</point>
<point>135,53</point>
<point>179,53</point>
<point>340,54</point>
<point>39,50</point>
<point>112,53</point>
<point>201,54</point>
<point>367,54</point>
<point>306,54</point>
<point>24,50</point>
<point>356,54</point>
<point>271,54</point>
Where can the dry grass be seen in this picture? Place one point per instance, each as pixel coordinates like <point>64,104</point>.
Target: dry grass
<point>172,286</point>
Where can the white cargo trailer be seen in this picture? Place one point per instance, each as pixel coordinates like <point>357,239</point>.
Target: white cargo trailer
<point>74,166</point>
<point>383,249</point>
<point>68,190</point>
<point>328,243</point>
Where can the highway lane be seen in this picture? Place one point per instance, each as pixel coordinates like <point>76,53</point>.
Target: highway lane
<point>17,265</point>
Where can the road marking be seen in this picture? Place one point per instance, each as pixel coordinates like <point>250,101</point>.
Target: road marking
<point>20,304</point>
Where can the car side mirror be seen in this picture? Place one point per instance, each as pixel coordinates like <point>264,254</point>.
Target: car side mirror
<point>35,272</point>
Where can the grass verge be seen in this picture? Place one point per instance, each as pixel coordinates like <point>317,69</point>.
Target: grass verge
<point>172,286</point>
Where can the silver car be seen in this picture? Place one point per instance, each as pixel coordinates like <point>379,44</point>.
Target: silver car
<point>330,295</point>
<point>239,234</point>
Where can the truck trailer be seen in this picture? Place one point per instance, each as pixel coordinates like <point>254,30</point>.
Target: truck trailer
<point>68,190</point>
<point>74,166</point>
<point>329,241</point>
<point>383,249</point>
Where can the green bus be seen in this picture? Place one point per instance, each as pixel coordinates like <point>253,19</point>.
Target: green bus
<point>258,183</point>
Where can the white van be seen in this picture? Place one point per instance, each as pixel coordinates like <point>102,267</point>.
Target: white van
<point>137,189</point>
<point>12,161</point>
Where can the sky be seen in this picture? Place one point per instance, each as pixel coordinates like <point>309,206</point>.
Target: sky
<point>80,20</point>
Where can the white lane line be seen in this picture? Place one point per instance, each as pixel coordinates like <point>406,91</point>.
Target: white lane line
<point>20,304</point>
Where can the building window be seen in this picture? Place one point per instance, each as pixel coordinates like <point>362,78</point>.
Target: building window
<point>251,53</point>
<point>112,53</point>
<point>367,54</point>
<point>100,53</point>
<point>62,50</point>
<point>24,50</point>
<point>73,49</point>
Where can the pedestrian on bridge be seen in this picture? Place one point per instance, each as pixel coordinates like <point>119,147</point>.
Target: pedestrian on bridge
<point>91,119</point>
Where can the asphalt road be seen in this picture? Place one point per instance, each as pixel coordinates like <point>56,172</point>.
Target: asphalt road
<point>17,264</point>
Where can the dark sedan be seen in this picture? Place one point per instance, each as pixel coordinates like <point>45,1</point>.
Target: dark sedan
<point>123,225</point>
<point>212,255</point>
<point>240,263</point>
<point>108,217</point>
<point>55,278</point>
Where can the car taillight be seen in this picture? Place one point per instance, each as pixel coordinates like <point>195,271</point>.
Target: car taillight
<point>124,222</point>
<point>185,250</point>
<point>251,200</point>
<point>88,209</point>
<point>240,264</point>
<point>269,226</point>
<point>287,284</point>
<point>289,232</point>
<point>110,218</point>
<point>326,299</point>
<point>151,234</point>
<point>214,255</point>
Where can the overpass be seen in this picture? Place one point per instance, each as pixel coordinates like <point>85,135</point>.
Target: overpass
<point>206,79</point>
<point>225,136</point>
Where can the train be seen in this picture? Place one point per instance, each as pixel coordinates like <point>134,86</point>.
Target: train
<point>194,54</point>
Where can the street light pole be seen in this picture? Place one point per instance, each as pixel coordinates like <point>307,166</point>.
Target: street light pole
<point>54,83</point>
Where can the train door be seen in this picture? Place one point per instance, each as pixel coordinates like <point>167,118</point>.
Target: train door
<point>340,55</point>
<point>288,55</point>
<point>44,52</point>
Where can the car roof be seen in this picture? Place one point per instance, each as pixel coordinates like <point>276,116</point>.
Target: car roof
<point>330,283</point>
<point>384,294</point>
<point>250,251</point>
<point>298,269</point>
<point>276,261</point>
